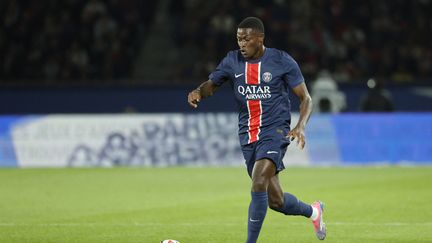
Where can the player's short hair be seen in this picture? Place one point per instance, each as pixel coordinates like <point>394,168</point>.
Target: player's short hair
<point>252,22</point>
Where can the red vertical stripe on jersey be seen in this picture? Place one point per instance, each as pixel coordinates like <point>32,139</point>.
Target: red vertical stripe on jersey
<point>252,73</point>
<point>254,106</point>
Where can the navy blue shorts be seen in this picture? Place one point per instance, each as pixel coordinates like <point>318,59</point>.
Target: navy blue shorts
<point>271,146</point>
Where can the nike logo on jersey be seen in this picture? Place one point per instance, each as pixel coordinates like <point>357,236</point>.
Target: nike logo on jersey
<point>238,75</point>
<point>272,152</point>
<point>254,220</point>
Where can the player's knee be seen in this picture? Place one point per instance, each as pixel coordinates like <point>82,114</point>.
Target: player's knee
<point>259,184</point>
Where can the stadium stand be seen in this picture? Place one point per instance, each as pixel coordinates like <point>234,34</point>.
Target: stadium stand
<point>352,39</point>
<point>71,41</point>
<point>74,40</point>
<point>146,47</point>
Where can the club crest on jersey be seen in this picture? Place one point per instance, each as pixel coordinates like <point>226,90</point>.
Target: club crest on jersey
<point>267,77</point>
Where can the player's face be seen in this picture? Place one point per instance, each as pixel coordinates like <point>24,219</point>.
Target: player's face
<point>251,43</point>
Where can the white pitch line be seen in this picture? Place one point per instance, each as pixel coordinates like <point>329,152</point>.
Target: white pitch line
<point>137,224</point>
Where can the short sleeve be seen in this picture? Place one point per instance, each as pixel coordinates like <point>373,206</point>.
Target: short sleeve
<point>222,72</point>
<point>293,75</point>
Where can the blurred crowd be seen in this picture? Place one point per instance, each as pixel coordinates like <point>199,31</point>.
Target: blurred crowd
<point>353,39</point>
<point>59,41</point>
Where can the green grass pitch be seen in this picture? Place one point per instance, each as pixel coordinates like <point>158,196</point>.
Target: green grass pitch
<point>195,205</point>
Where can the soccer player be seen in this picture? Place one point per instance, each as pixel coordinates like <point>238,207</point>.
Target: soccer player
<point>261,79</point>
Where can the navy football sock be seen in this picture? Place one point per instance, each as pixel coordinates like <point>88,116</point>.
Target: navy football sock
<point>257,213</point>
<point>293,206</point>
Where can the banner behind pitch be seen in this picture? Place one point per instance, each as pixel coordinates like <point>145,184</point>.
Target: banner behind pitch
<point>202,139</point>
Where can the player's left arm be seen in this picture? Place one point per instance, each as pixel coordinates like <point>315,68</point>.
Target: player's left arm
<point>298,132</point>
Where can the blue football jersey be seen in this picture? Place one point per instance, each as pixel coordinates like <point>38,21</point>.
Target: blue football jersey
<point>261,89</point>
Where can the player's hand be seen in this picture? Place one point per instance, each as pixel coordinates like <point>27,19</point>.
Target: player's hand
<point>194,98</point>
<point>298,134</point>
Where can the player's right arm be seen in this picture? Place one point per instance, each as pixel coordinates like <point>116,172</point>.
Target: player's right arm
<point>205,90</point>
<point>216,78</point>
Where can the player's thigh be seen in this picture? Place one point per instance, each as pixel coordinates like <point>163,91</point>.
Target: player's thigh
<point>262,172</point>
<point>264,168</point>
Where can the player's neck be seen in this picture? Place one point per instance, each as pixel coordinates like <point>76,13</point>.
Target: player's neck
<point>259,54</point>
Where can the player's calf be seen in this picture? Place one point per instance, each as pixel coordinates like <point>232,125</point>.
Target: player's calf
<point>276,201</point>
<point>292,206</point>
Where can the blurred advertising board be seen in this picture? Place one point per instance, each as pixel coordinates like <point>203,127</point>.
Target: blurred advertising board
<point>205,139</point>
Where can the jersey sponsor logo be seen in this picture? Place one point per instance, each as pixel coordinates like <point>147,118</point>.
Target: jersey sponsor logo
<point>267,77</point>
<point>254,92</point>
